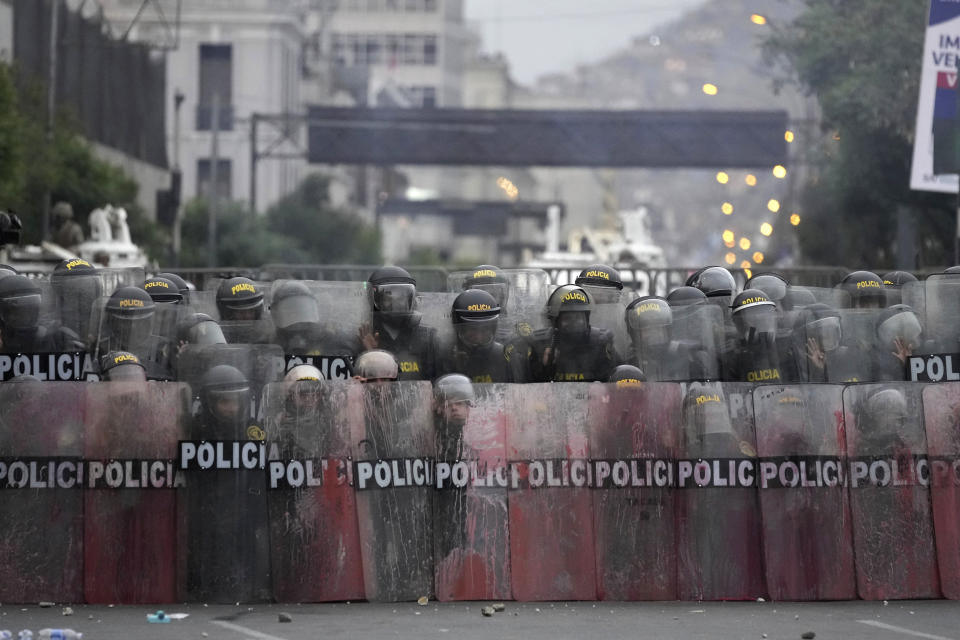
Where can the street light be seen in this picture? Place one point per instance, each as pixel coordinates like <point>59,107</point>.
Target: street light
<point>766,229</point>
<point>779,171</point>
<point>710,89</point>
<point>773,204</point>
<point>722,177</point>
<point>727,208</point>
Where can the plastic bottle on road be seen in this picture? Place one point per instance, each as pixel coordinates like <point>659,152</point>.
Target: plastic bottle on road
<point>59,634</point>
<point>25,634</point>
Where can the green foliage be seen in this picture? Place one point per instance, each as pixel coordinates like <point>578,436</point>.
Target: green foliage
<point>862,60</point>
<point>301,228</point>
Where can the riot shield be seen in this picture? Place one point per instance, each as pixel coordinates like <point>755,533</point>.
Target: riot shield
<point>611,316</point>
<point>259,331</point>
<point>699,331</point>
<point>392,441</point>
<point>551,508</point>
<point>260,364</point>
<point>226,528</point>
<point>325,335</point>
<point>152,337</point>
<point>41,504</point>
<point>862,350</point>
<point>471,525</point>
<point>526,296</point>
<point>808,538</point>
<point>940,410</point>
<point>436,310</point>
<point>720,555</point>
<point>632,445</point>
<point>889,502</point>
<point>314,540</point>
<point>942,308</point>
<point>130,503</point>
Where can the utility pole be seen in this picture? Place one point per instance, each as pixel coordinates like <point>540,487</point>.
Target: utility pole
<point>176,177</point>
<point>214,162</point>
<point>253,163</point>
<point>51,104</point>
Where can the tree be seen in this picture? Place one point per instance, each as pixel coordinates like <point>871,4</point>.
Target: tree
<point>862,59</point>
<point>301,228</point>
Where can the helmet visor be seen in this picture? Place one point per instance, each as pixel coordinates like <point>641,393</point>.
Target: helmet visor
<point>602,295</point>
<point>496,289</point>
<point>206,332</point>
<point>395,298</point>
<point>903,326</point>
<point>21,312</point>
<point>826,331</point>
<point>477,333</point>
<point>295,310</point>
<point>573,323</point>
<point>759,319</point>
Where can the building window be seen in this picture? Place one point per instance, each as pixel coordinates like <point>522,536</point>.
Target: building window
<point>224,178</point>
<point>361,49</point>
<point>422,96</point>
<point>216,79</point>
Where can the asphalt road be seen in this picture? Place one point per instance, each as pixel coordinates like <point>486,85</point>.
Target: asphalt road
<point>934,620</point>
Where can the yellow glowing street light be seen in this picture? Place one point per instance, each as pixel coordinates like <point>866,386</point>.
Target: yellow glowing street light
<point>766,229</point>
<point>722,177</point>
<point>728,235</point>
<point>788,135</point>
<point>745,265</point>
<point>710,89</point>
<point>779,171</point>
<point>744,243</point>
<point>795,219</point>
<point>730,258</point>
<point>758,19</point>
<point>727,208</point>
<point>751,180</point>
<point>773,204</point>
<point>757,257</point>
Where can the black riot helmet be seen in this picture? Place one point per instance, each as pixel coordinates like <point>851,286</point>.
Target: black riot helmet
<point>225,399</point>
<point>754,313</point>
<point>714,281</point>
<point>239,299</point>
<point>601,282</point>
<point>199,328</point>
<point>20,301</point>
<point>178,282</point>
<point>129,316</point>
<point>491,279</point>
<point>122,366</point>
<point>772,284</point>
<point>294,307</point>
<point>568,308</point>
<point>162,291</point>
<point>893,283</point>
<point>475,317</point>
<point>648,320</point>
<point>627,375</point>
<point>865,289</point>
<point>393,293</point>
<point>685,296</point>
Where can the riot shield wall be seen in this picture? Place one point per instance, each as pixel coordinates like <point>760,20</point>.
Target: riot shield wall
<point>130,502</point>
<point>393,446</point>
<point>942,308</point>
<point>699,331</point>
<point>471,524</point>
<point>551,509</point>
<point>314,540</point>
<point>611,316</point>
<point>890,505</point>
<point>943,445</point>
<point>720,554</point>
<point>522,301</point>
<point>436,311</point>
<point>41,506</point>
<point>633,443</point>
<point>807,530</point>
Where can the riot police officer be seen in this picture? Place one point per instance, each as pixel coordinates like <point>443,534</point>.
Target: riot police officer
<point>396,324</point>
<point>241,307</point>
<point>299,329</point>
<point>162,291</point>
<point>476,353</point>
<point>686,296</point>
<point>898,338</point>
<point>654,351</point>
<point>376,365</point>
<point>179,283</point>
<point>76,288</point>
<point>864,289</point>
<point>453,397</point>
<point>627,375</point>
<point>571,350</point>
<point>21,328</point>
<point>893,284</point>
<point>716,283</point>
<point>127,322</point>
<point>755,357</point>
<point>513,331</point>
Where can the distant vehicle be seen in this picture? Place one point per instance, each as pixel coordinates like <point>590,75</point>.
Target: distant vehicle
<point>630,245</point>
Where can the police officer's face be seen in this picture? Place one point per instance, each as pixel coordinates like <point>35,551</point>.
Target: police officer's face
<point>476,334</point>
<point>227,406</point>
<point>573,323</point>
<point>456,412</point>
<point>241,315</point>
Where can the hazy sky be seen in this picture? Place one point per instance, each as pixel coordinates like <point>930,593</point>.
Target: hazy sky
<point>543,36</point>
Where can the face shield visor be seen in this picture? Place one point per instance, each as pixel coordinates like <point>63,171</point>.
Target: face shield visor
<point>476,333</point>
<point>499,291</point>
<point>756,320</point>
<point>229,405</point>
<point>76,296</point>
<point>395,300</point>
<point>241,311</point>
<point>573,324</point>
<point>20,312</point>
<point>826,331</point>
<point>602,295</point>
<point>903,326</point>
<point>289,312</point>
<point>130,328</point>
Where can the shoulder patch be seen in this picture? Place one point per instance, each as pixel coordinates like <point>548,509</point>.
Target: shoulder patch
<point>256,433</point>
<point>524,329</point>
<point>508,351</point>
